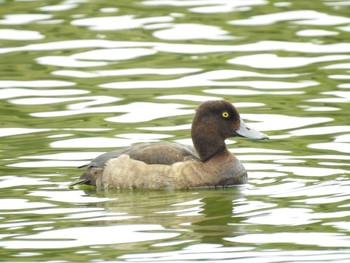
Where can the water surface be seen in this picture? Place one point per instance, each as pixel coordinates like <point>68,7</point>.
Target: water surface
<point>79,78</point>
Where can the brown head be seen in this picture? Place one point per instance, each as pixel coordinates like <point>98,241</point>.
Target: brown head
<point>213,123</point>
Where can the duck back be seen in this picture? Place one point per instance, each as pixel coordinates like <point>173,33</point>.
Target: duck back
<point>149,153</point>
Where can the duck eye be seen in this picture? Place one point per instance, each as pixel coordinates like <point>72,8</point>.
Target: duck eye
<point>225,114</point>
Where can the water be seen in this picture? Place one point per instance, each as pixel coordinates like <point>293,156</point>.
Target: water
<point>78,78</point>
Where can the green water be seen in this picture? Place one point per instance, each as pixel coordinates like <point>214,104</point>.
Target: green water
<point>79,78</point>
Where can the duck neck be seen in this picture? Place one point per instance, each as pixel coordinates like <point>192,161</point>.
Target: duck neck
<point>207,144</point>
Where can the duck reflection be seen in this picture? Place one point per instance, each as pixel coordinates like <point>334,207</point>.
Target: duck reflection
<point>204,216</point>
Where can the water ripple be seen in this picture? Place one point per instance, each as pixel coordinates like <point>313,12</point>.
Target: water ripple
<point>271,61</point>
<point>302,17</point>
<point>261,46</point>
<point>24,35</point>
<point>84,77</point>
<point>76,237</point>
<point>119,22</point>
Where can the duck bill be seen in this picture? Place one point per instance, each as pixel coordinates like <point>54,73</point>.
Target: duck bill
<point>245,131</point>
<point>78,181</point>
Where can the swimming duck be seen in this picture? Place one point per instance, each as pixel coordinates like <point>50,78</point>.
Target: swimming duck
<point>168,165</point>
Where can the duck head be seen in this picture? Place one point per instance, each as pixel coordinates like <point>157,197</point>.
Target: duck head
<point>213,123</point>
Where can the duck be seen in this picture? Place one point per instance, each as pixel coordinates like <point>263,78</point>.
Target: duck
<point>170,165</point>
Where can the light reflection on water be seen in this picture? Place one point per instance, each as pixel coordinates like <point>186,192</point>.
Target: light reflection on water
<point>82,78</point>
<point>301,17</point>
<point>76,237</point>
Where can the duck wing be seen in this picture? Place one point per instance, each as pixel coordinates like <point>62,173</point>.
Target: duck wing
<point>149,153</point>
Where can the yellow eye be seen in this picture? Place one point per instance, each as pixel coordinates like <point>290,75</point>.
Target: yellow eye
<point>225,114</point>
